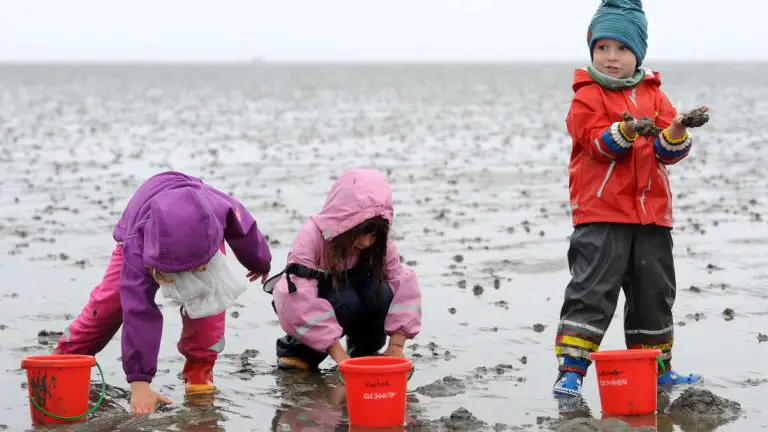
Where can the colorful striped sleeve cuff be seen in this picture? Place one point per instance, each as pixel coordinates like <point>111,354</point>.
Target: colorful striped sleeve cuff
<point>669,151</point>
<point>613,143</point>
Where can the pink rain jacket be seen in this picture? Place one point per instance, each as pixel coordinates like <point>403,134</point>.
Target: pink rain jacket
<point>358,195</point>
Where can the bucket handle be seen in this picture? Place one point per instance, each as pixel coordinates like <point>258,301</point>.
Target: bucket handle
<point>661,364</point>
<point>341,377</point>
<point>78,417</point>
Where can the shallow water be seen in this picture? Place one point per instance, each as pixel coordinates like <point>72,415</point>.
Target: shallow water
<point>477,156</point>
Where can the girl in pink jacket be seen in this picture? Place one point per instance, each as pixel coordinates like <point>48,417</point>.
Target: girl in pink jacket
<point>344,277</point>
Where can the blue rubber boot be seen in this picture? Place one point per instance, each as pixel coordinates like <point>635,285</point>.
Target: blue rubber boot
<point>571,377</point>
<point>568,385</point>
<point>671,377</point>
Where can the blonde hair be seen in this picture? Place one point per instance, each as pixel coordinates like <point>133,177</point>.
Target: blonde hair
<point>163,278</point>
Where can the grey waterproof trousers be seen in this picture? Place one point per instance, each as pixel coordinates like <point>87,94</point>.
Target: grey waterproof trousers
<point>604,258</point>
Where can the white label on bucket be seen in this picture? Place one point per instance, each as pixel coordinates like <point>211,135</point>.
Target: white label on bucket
<point>614,382</point>
<point>379,395</point>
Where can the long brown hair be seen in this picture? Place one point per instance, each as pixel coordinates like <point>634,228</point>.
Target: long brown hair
<point>371,259</point>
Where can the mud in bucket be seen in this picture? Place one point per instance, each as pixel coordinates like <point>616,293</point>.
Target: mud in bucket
<point>59,387</point>
<point>627,380</point>
<point>376,390</point>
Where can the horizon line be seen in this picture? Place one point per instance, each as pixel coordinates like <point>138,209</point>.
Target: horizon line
<point>265,62</point>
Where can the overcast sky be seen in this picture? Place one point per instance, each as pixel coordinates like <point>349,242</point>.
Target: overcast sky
<point>360,30</point>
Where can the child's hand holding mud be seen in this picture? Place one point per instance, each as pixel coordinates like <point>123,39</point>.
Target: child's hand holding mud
<point>691,119</point>
<point>695,118</point>
<point>643,126</point>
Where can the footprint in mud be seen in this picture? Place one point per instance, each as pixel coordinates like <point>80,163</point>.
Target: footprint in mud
<point>435,353</point>
<point>450,386</point>
<point>700,409</point>
<point>754,382</point>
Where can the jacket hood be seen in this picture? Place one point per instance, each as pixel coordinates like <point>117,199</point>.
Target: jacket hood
<point>358,195</point>
<point>181,232</point>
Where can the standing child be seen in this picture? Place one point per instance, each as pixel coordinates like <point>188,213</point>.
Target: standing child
<point>171,230</point>
<point>344,276</point>
<point>620,198</point>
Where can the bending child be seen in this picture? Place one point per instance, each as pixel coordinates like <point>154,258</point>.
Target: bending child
<point>344,277</point>
<point>625,133</point>
<point>169,232</point>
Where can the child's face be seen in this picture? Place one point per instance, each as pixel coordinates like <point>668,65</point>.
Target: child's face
<point>613,58</point>
<point>364,241</point>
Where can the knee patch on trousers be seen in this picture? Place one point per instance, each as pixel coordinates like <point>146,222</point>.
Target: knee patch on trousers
<point>218,346</point>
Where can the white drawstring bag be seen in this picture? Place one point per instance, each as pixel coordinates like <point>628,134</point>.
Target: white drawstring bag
<point>206,293</point>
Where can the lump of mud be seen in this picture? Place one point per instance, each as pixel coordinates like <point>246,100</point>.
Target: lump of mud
<point>459,420</point>
<point>662,399</point>
<point>643,126</point>
<point>593,425</point>
<point>728,314</point>
<point>762,338</point>
<point>695,118</point>
<point>538,328</point>
<point>445,387</point>
<point>700,409</point>
<point>46,337</point>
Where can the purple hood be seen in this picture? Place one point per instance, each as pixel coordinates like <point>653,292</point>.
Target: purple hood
<point>181,232</point>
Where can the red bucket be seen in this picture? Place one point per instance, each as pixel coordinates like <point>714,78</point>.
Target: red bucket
<point>627,380</point>
<point>59,387</point>
<point>376,390</point>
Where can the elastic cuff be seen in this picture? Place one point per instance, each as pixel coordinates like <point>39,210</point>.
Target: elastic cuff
<point>328,347</point>
<point>624,133</point>
<point>139,377</point>
<point>618,136</point>
<point>665,135</point>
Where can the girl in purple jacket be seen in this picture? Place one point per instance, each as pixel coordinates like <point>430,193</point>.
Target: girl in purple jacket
<point>344,277</point>
<point>174,223</point>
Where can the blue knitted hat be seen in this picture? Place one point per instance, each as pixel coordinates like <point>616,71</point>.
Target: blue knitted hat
<point>623,21</point>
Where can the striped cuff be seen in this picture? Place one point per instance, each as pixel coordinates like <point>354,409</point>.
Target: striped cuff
<point>669,149</point>
<point>615,139</point>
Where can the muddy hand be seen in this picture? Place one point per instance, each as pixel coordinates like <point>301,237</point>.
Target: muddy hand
<point>144,400</point>
<point>643,126</point>
<point>695,118</point>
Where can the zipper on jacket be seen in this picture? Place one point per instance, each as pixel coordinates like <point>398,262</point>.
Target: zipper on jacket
<point>605,180</point>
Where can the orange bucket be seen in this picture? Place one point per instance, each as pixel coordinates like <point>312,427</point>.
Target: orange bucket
<point>59,387</point>
<point>627,380</point>
<point>376,389</point>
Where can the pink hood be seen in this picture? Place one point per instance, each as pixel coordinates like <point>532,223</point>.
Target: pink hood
<point>358,195</point>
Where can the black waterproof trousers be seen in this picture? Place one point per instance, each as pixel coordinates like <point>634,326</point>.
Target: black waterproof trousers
<point>360,309</point>
<point>604,258</point>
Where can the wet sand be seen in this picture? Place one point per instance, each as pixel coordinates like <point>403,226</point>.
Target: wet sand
<point>477,156</point>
